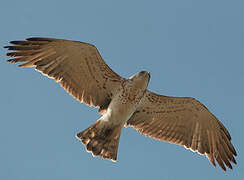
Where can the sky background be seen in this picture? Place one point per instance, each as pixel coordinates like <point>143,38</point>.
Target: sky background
<point>192,48</point>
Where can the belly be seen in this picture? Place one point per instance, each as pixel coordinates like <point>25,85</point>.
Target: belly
<point>119,111</point>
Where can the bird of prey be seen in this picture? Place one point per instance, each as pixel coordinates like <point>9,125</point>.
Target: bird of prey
<point>80,70</point>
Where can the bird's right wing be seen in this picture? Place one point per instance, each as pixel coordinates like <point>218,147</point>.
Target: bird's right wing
<point>77,66</point>
<point>186,122</point>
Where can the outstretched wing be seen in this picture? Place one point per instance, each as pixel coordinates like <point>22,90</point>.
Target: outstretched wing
<point>184,121</point>
<point>77,66</point>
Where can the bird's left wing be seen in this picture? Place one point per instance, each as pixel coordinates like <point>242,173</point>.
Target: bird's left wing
<point>186,122</point>
<point>78,67</point>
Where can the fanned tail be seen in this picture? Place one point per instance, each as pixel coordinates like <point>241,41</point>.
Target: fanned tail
<point>101,140</point>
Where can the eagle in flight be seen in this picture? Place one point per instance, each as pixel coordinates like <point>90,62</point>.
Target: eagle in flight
<point>81,71</point>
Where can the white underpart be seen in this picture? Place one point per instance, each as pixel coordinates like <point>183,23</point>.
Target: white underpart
<point>126,100</point>
<point>117,112</point>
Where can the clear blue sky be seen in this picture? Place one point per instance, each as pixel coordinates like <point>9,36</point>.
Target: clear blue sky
<point>192,48</point>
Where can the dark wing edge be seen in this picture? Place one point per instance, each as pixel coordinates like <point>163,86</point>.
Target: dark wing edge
<point>171,119</point>
<point>60,59</point>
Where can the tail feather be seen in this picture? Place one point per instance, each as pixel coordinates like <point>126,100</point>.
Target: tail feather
<point>101,140</point>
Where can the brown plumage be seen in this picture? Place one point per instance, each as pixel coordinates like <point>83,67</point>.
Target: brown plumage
<point>101,141</point>
<point>184,121</point>
<point>74,64</point>
<point>82,72</point>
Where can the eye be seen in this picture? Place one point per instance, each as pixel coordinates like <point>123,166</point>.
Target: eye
<point>143,72</point>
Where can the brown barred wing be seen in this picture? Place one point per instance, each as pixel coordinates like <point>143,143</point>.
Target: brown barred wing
<point>186,122</point>
<point>77,66</point>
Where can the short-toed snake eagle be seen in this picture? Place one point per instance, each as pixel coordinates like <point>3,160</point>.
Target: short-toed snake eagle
<point>82,72</point>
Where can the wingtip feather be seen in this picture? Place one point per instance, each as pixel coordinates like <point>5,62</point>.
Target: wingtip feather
<point>38,39</point>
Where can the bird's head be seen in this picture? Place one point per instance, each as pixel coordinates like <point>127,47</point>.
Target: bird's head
<point>141,74</point>
<point>141,79</point>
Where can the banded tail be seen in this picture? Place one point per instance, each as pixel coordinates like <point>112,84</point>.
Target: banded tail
<point>101,140</point>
